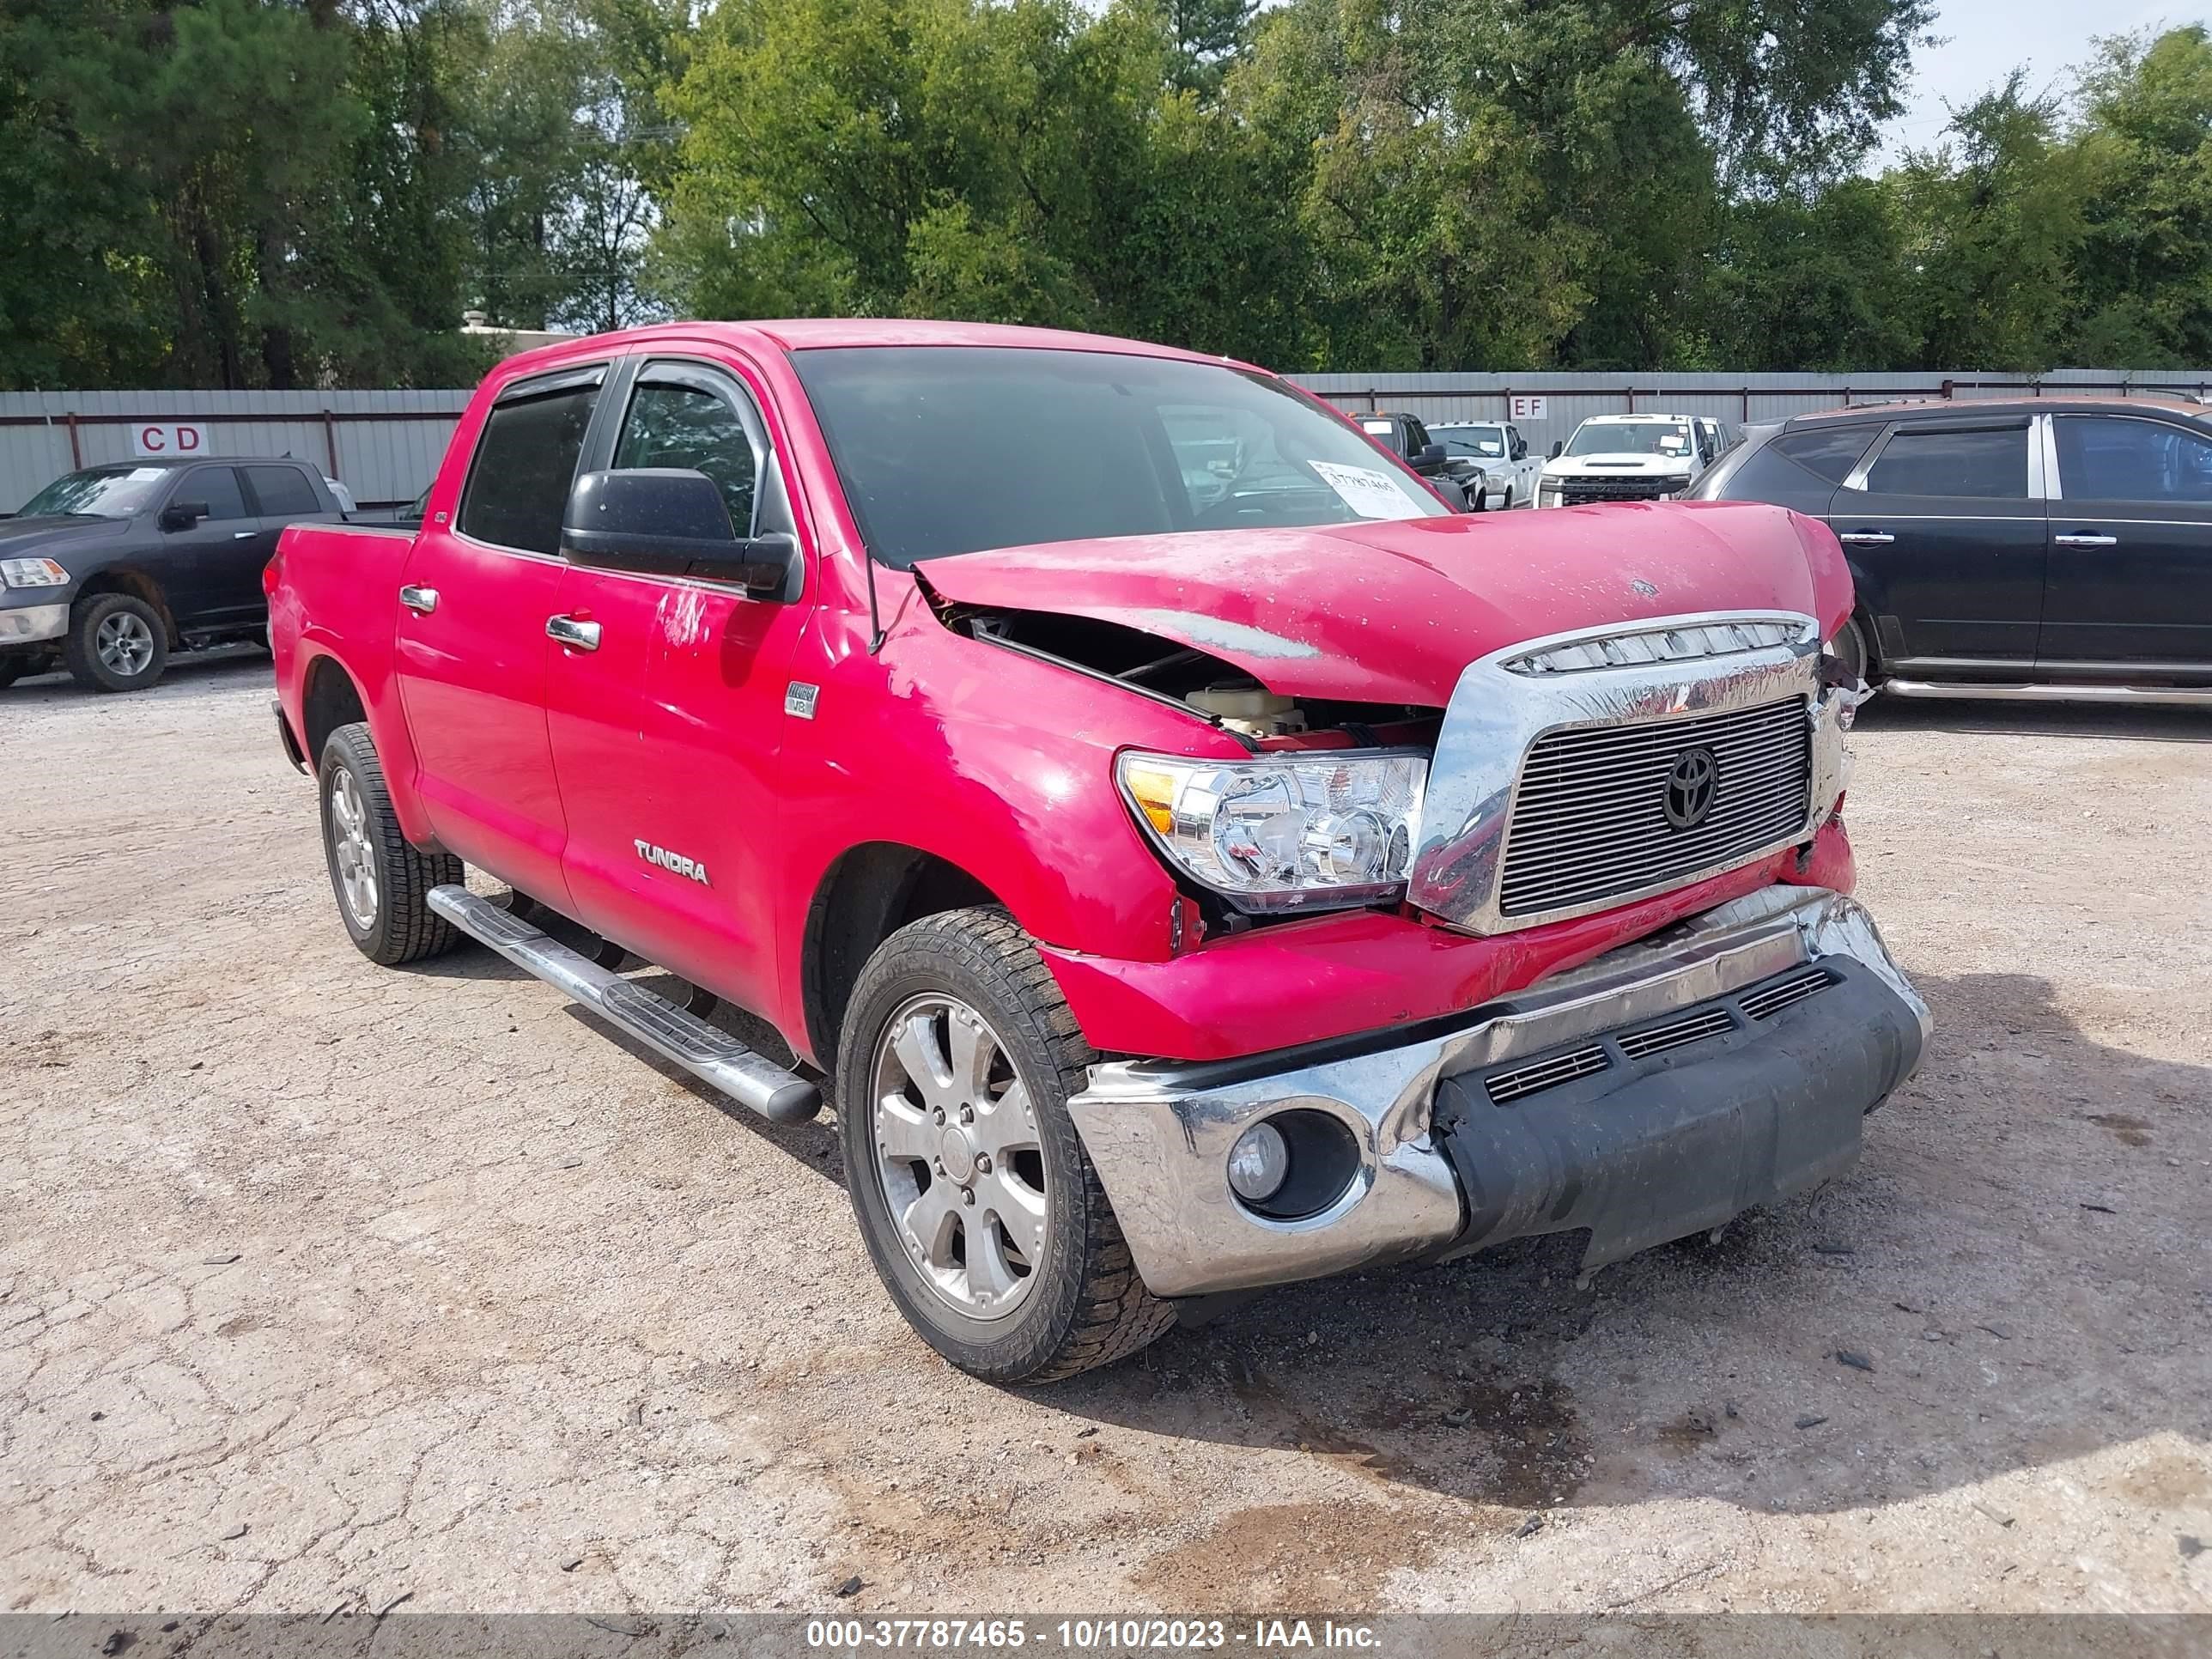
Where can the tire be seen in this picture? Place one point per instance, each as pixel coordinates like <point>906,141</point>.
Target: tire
<point>395,924</point>
<point>10,672</point>
<point>1849,646</point>
<point>1068,1292</point>
<point>116,643</point>
<point>1509,498</point>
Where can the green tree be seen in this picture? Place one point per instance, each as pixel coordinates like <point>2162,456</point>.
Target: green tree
<point>1989,221</point>
<point>2143,155</point>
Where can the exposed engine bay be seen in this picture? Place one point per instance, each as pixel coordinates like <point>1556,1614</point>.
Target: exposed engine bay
<point>1215,690</point>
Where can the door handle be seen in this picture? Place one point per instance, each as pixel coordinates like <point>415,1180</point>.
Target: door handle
<point>420,600</point>
<point>244,535</point>
<point>2084,538</point>
<point>1866,538</point>
<point>576,636</point>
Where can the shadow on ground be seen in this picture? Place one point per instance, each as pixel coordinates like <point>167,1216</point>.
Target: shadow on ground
<point>2074,1303</point>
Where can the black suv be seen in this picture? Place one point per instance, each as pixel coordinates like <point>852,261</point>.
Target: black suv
<point>110,568</point>
<point>2032,548</point>
<point>1406,436</point>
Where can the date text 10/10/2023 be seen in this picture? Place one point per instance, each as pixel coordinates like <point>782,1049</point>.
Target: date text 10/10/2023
<point>1084,1634</point>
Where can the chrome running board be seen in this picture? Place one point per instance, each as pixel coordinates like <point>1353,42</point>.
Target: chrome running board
<point>712,1055</point>
<point>1968,690</point>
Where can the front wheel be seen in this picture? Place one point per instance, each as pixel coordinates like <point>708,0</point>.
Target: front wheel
<point>978,1206</point>
<point>381,880</point>
<point>116,643</point>
<point>1850,647</point>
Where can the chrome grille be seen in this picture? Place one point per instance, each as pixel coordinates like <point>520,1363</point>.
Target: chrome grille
<point>1589,819</point>
<point>1771,1000</point>
<point>1546,1074</point>
<point>1694,1028</point>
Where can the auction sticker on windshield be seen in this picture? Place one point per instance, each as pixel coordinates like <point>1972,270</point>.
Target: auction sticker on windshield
<point>1370,494</point>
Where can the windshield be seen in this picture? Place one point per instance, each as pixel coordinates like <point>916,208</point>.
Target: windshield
<point>104,492</point>
<point>954,449</point>
<point>1630,438</point>
<point>1486,441</point>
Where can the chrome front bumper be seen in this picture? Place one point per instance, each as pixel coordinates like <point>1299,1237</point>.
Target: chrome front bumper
<point>1160,1132</point>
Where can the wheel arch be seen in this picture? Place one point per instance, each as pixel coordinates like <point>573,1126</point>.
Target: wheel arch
<point>868,893</point>
<point>128,579</point>
<point>330,699</point>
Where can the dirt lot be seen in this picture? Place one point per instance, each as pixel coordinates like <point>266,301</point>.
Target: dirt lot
<point>324,1285</point>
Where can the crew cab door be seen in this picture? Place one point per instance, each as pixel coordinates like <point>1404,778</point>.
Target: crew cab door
<point>2130,568</point>
<point>199,561</point>
<point>281,496</point>
<point>470,648</point>
<point>666,706</point>
<point>1947,538</point>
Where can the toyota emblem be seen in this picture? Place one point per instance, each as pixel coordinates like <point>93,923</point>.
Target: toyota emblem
<point>1690,787</point>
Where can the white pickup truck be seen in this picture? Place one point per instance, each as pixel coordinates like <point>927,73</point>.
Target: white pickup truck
<point>1498,450</point>
<point>1630,458</point>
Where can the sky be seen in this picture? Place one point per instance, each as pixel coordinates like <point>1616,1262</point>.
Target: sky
<point>1984,39</point>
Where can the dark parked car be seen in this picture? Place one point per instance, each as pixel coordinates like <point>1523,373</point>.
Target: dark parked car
<point>1405,437</point>
<point>110,568</point>
<point>2038,548</point>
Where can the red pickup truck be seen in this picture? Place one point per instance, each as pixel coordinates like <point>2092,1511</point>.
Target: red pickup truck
<point>1191,857</point>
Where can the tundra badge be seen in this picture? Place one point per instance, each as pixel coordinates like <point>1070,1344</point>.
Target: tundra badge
<point>675,863</point>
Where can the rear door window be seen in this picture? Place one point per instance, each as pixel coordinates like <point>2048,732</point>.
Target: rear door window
<point>283,491</point>
<point>526,460</point>
<point>1985,465</point>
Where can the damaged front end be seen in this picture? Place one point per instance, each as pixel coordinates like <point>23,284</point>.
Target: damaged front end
<point>1319,811</point>
<point>1657,1091</point>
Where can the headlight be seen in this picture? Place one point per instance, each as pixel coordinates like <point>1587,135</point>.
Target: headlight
<point>1286,832</point>
<point>33,572</point>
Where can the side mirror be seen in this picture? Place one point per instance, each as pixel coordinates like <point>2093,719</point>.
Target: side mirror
<point>1520,450</point>
<point>1429,458</point>
<point>1558,445</point>
<point>670,521</point>
<point>182,515</point>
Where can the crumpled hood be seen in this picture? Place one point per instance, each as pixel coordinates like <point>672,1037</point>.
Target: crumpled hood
<point>1392,612</point>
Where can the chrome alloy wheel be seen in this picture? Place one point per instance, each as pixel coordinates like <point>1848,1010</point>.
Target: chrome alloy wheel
<point>351,850</point>
<point>125,644</point>
<point>958,1156</point>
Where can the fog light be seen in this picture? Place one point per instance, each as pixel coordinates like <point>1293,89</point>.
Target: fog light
<point>1259,1164</point>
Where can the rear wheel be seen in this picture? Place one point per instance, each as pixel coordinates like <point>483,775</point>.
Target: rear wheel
<point>382,881</point>
<point>979,1206</point>
<point>116,643</point>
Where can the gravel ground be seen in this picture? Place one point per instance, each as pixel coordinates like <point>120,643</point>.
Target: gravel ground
<point>323,1285</point>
